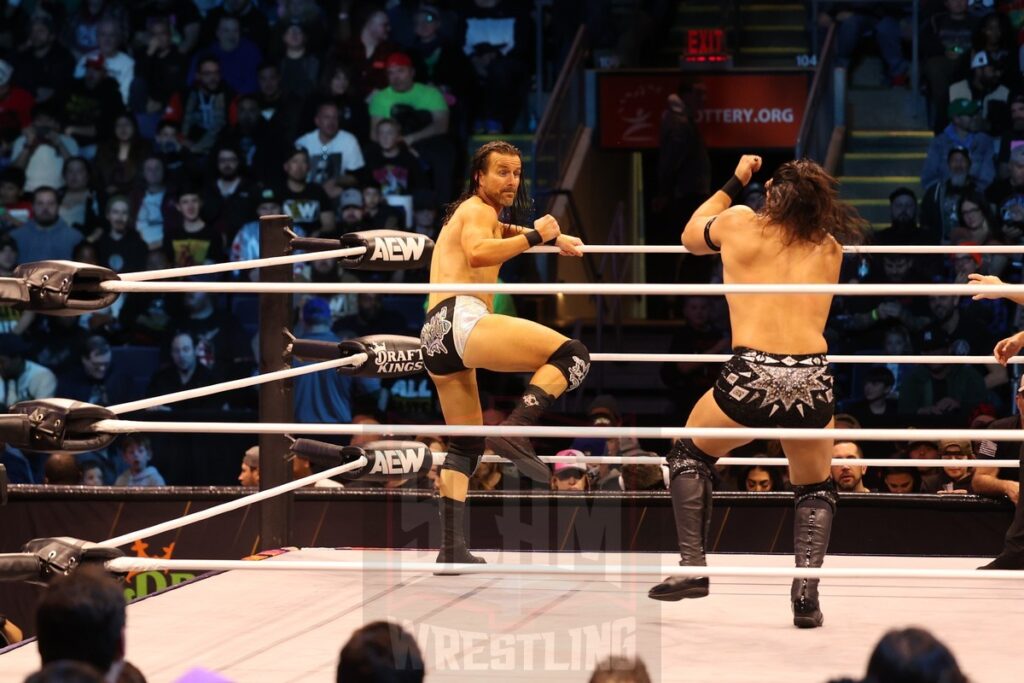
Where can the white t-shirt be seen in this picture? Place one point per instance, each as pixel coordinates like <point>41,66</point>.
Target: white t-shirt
<point>121,68</point>
<point>46,166</point>
<point>340,155</point>
<point>35,381</point>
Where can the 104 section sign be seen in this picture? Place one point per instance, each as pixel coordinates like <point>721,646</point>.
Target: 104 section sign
<point>734,110</point>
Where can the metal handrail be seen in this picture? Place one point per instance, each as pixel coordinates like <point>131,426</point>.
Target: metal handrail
<point>821,85</point>
<point>557,133</point>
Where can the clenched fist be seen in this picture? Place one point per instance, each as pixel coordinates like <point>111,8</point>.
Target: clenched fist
<point>748,166</point>
<point>547,226</point>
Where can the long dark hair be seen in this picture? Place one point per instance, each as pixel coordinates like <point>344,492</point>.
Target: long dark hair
<point>521,211</point>
<point>804,201</point>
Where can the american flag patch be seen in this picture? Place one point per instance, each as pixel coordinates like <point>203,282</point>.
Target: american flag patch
<point>986,449</point>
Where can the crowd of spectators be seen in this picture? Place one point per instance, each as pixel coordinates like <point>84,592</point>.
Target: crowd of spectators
<point>153,134</point>
<point>156,138</point>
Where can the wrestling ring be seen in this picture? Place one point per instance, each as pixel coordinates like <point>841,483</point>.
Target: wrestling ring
<point>283,614</point>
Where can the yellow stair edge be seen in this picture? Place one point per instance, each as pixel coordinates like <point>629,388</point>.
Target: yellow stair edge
<point>885,155</point>
<point>867,202</point>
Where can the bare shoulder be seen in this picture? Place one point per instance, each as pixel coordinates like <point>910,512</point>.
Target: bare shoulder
<point>735,219</point>
<point>476,212</point>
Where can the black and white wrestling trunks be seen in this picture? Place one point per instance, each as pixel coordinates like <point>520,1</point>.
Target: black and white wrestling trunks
<point>758,389</point>
<point>444,334</point>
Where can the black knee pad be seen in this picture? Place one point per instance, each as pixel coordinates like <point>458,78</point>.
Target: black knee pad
<point>820,495</point>
<point>573,360</point>
<point>688,460</point>
<point>464,454</point>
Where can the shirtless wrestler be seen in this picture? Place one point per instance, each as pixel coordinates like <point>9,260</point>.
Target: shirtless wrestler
<point>778,375</point>
<point>482,230</point>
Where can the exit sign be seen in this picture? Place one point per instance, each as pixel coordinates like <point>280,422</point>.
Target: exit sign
<point>705,45</point>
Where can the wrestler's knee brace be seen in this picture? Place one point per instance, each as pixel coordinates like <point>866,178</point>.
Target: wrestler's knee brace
<point>685,459</point>
<point>464,454</point>
<point>573,360</point>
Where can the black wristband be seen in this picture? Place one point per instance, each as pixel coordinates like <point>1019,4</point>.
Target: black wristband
<point>533,238</point>
<point>733,187</point>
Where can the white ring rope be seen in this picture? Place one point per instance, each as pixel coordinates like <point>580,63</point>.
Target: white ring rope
<point>209,269</point>
<point>142,404</point>
<point>141,564</point>
<point>749,433</point>
<point>862,249</point>
<point>232,505</point>
<point>867,359</point>
<point>572,288</point>
<point>764,462</point>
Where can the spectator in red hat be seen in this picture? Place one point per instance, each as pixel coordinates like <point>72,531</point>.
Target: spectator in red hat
<point>119,65</point>
<point>91,104</point>
<point>423,114</point>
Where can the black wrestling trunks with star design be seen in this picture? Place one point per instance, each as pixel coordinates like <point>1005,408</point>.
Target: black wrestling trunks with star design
<point>758,389</point>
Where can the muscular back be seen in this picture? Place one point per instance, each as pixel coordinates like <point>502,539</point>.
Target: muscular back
<point>754,252</point>
<point>450,261</point>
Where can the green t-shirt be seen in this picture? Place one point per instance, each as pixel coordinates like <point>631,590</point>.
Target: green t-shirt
<point>419,96</point>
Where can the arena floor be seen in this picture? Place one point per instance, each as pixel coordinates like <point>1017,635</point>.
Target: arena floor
<point>252,626</point>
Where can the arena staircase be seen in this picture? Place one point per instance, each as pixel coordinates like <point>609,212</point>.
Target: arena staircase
<point>886,145</point>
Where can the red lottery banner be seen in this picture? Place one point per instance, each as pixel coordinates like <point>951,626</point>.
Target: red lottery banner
<point>735,110</point>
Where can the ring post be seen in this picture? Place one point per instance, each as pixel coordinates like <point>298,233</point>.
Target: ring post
<point>275,397</point>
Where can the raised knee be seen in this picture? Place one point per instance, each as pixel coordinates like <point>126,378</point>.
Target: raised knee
<point>464,454</point>
<point>573,360</point>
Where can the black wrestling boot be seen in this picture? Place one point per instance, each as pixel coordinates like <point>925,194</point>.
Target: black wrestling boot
<point>453,536</point>
<point>815,508</point>
<point>518,449</point>
<point>690,488</point>
<point>691,505</point>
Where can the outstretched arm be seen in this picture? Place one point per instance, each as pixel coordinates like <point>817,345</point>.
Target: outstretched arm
<point>701,234</point>
<point>979,279</point>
